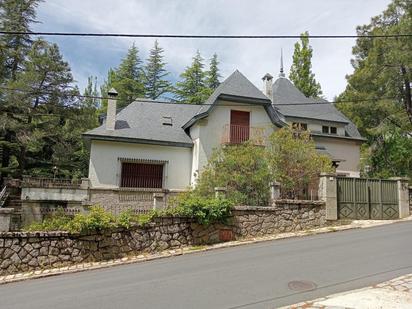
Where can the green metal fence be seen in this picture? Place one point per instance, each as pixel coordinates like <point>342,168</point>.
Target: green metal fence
<point>361,198</point>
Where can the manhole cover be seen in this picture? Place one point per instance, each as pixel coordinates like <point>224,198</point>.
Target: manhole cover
<point>302,285</point>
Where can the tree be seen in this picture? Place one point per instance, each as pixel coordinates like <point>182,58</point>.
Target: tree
<point>127,79</point>
<point>212,78</point>
<point>378,93</point>
<point>16,15</point>
<point>242,169</point>
<point>192,88</point>
<point>294,161</point>
<point>301,71</point>
<point>155,73</point>
<point>38,111</point>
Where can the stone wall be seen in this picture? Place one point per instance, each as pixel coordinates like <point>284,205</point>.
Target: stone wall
<point>21,252</point>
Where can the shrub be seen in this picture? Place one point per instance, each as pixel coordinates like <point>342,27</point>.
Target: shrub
<point>242,169</point>
<point>204,210</point>
<point>97,219</point>
<point>294,160</point>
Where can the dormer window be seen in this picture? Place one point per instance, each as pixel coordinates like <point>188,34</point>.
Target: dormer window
<point>329,130</point>
<point>167,121</point>
<point>300,126</point>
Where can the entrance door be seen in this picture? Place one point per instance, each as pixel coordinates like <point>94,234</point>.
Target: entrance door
<point>239,126</point>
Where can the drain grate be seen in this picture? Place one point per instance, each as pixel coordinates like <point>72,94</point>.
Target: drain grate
<point>302,285</point>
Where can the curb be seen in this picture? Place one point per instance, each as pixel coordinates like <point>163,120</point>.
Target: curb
<point>188,250</point>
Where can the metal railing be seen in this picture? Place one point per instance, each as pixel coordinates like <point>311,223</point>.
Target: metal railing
<point>43,182</point>
<point>3,196</point>
<point>237,134</point>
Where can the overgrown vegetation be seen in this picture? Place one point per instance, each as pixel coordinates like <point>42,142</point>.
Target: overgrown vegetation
<point>246,170</point>
<point>203,211</point>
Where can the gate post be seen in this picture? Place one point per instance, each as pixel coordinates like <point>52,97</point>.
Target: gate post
<point>328,193</point>
<point>403,196</point>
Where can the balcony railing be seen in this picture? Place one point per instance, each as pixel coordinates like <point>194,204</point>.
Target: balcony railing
<point>237,134</point>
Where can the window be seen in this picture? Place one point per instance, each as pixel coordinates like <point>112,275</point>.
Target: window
<point>329,130</point>
<point>299,126</point>
<point>141,175</point>
<point>167,121</point>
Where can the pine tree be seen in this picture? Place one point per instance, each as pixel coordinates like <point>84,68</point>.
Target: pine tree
<point>128,78</point>
<point>212,79</point>
<point>192,88</point>
<point>104,89</point>
<point>16,15</point>
<point>301,71</point>
<point>91,93</point>
<point>155,73</point>
<point>40,109</point>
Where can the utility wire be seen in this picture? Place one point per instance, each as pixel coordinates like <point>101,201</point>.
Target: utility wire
<point>201,36</point>
<point>37,92</point>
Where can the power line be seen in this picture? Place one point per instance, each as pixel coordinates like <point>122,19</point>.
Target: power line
<point>202,36</point>
<point>37,92</point>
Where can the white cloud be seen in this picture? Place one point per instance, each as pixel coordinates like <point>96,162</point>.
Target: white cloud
<point>331,60</point>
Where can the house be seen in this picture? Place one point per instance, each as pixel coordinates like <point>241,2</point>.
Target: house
<point>162,145</point>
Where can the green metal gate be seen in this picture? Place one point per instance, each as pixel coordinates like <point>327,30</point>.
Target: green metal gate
<point>361,198</point>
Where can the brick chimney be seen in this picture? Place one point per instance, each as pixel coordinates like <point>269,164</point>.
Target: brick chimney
<point>267,85</point>
<point>111,110</point>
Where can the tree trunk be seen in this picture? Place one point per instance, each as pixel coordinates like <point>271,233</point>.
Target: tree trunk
<point>406,93</point>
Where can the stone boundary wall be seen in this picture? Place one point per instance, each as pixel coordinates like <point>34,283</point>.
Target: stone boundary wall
<point>29,251</point>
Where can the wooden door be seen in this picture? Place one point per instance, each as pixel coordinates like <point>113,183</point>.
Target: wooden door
<point>239,126</point>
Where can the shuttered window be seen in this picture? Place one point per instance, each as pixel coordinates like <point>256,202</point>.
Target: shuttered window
<point>141,175</point>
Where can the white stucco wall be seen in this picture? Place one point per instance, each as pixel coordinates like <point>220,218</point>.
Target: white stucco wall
<point>210,130</point>
<point>105,168</point>
<point>316,125</point>
<point>346,150</point>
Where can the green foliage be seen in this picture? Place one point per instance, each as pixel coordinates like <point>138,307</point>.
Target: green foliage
<point>192,88</point>
<point>204,210</point>
<point>97,219</point>
<point>242,169</point>
<point>301,71</point>
<point>127,79</point>
<point>213,75</point>
<point>155,74</point>
<point>57,222</point>
<point>382,77</point>
<point>294,161</point>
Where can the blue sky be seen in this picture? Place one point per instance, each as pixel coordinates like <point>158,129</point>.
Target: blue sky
<point>94,56</point>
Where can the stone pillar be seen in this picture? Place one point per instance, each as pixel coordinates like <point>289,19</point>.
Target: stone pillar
<point>220,192</point>
<point>158,200</point>
<point>328,193</point>
<point>85,184</point>
<point>274,191</point>
<point>5,219</point>
<point>403,196</point>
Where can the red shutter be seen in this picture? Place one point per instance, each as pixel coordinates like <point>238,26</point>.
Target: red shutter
<point>141,175</point>
<point>239,126</point>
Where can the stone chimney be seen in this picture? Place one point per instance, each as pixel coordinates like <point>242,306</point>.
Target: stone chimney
<point>111,109</point>
<point>267,85</point>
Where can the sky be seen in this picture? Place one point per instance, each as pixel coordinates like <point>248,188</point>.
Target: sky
<point>94,56</point>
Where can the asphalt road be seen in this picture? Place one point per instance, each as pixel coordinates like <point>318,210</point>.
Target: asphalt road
<point>251,276</point>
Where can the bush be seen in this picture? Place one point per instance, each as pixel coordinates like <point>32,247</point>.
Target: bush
<point>242,169</point>
<point>56,222</point>
<point>204,210</point>
<point>294,160</point>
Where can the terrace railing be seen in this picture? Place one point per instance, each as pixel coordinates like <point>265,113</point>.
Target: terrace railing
<point>237,134</point>
<point>43,182</point>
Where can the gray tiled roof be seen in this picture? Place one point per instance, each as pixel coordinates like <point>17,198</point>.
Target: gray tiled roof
<point>239,87</point>
<point>142,121</point>
<point>285,95</point>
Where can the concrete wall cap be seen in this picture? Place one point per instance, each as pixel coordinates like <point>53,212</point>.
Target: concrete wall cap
<point>6,210</point>
<point>323,174</point>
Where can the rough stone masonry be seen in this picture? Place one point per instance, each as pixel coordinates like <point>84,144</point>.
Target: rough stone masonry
<point>28,251</point>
